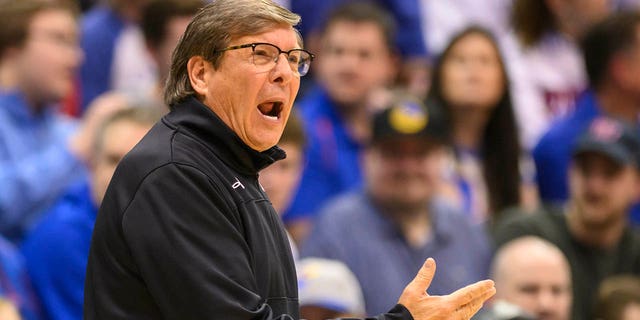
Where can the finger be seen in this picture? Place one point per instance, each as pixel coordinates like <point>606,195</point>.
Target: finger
<point>473,291</point>
<point>468,310</point>
<point>480,300</point>
<point>423,279</point>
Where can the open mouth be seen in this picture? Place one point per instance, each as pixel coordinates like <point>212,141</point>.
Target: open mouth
<point>271,110</point>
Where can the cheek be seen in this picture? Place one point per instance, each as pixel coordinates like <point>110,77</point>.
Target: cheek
<point>286,183</point>
<point>35,67</point>
<point>494,80</point>
<point>243,102</point>
<point>328,67</point>
<point>101,177</point>
<point>575,182</point>
<point>494,89</point>
<point>625,192</point>
<point>374,171</point>
<point>293,175</point>
<point>375,75</point>
<point>270,178</point>
<point>451,79</point>
<point>53,70</point>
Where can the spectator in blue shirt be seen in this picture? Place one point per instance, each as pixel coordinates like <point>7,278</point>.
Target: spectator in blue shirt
<point>612,56</point>
<point>405,13</point>
<point>56,251</point>
<point>384,232</point>
<point>39,153</point>
<point>408,37</point>
<point>356,58</point>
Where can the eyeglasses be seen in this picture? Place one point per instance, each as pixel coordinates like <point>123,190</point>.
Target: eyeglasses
<point>266,55</point>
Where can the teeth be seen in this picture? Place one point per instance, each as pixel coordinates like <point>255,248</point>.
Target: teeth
<point>271,117</point>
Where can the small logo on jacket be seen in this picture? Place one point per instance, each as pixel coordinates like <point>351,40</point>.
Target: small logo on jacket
<point>237,184</point>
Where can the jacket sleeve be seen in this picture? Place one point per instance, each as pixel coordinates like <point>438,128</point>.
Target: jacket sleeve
<point>398,312</point>
<point>187,242</point>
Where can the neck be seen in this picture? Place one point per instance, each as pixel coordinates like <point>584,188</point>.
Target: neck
<point>9,81</point>
<point>603,237</point>
<point>7,77</point>
<point>415,225</point>
<point>468,127</point>
<point>618,103</point>
<point>568,29</point>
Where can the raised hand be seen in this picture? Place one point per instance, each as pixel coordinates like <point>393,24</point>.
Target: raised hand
<point>460,305</point>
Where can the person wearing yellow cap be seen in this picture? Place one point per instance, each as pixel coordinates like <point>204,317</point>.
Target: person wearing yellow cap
<point>384,231</point>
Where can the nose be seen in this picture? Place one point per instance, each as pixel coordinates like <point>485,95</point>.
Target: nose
<point>282,72</point>
<point>546,302</point>
<point>596,183</point>
<point>350,58</point>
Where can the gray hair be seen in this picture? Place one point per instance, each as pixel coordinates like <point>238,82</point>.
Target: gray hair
<point>213,28</point>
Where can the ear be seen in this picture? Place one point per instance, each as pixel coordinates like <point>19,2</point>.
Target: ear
<point>197,68</point>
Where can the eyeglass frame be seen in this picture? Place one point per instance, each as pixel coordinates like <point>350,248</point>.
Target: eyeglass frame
<point>280,51</point>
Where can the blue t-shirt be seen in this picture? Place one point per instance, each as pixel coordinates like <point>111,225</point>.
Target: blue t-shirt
<point>36,165</point>
<point>552,154</point>
<point>56,253</point>
<point>332,156</point>
<point>350,229</point>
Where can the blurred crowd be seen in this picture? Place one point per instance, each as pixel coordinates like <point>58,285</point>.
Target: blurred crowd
<point>500,137</point>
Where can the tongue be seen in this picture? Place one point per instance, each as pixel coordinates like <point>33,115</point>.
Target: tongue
<point>265,108</point>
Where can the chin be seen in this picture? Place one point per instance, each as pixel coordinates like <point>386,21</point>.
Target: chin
<point>263,138</point>
<point>346,98</point>
<point>595,220</point>
<point>262,145</point>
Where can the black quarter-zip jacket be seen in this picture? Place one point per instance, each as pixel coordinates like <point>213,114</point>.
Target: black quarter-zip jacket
<point>186,232</point>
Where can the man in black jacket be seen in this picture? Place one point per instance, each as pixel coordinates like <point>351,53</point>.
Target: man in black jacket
<point>185,231</point>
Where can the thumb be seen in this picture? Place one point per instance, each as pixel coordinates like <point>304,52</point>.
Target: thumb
<point>423,279</point>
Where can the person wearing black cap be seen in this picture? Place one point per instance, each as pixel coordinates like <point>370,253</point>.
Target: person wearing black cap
<point>592,229</point>
<point>384,232</point>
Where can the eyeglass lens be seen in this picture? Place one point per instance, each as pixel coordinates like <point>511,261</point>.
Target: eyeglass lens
<point>265,54</point>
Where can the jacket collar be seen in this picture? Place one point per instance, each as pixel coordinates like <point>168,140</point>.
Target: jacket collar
<point>198,121</point>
